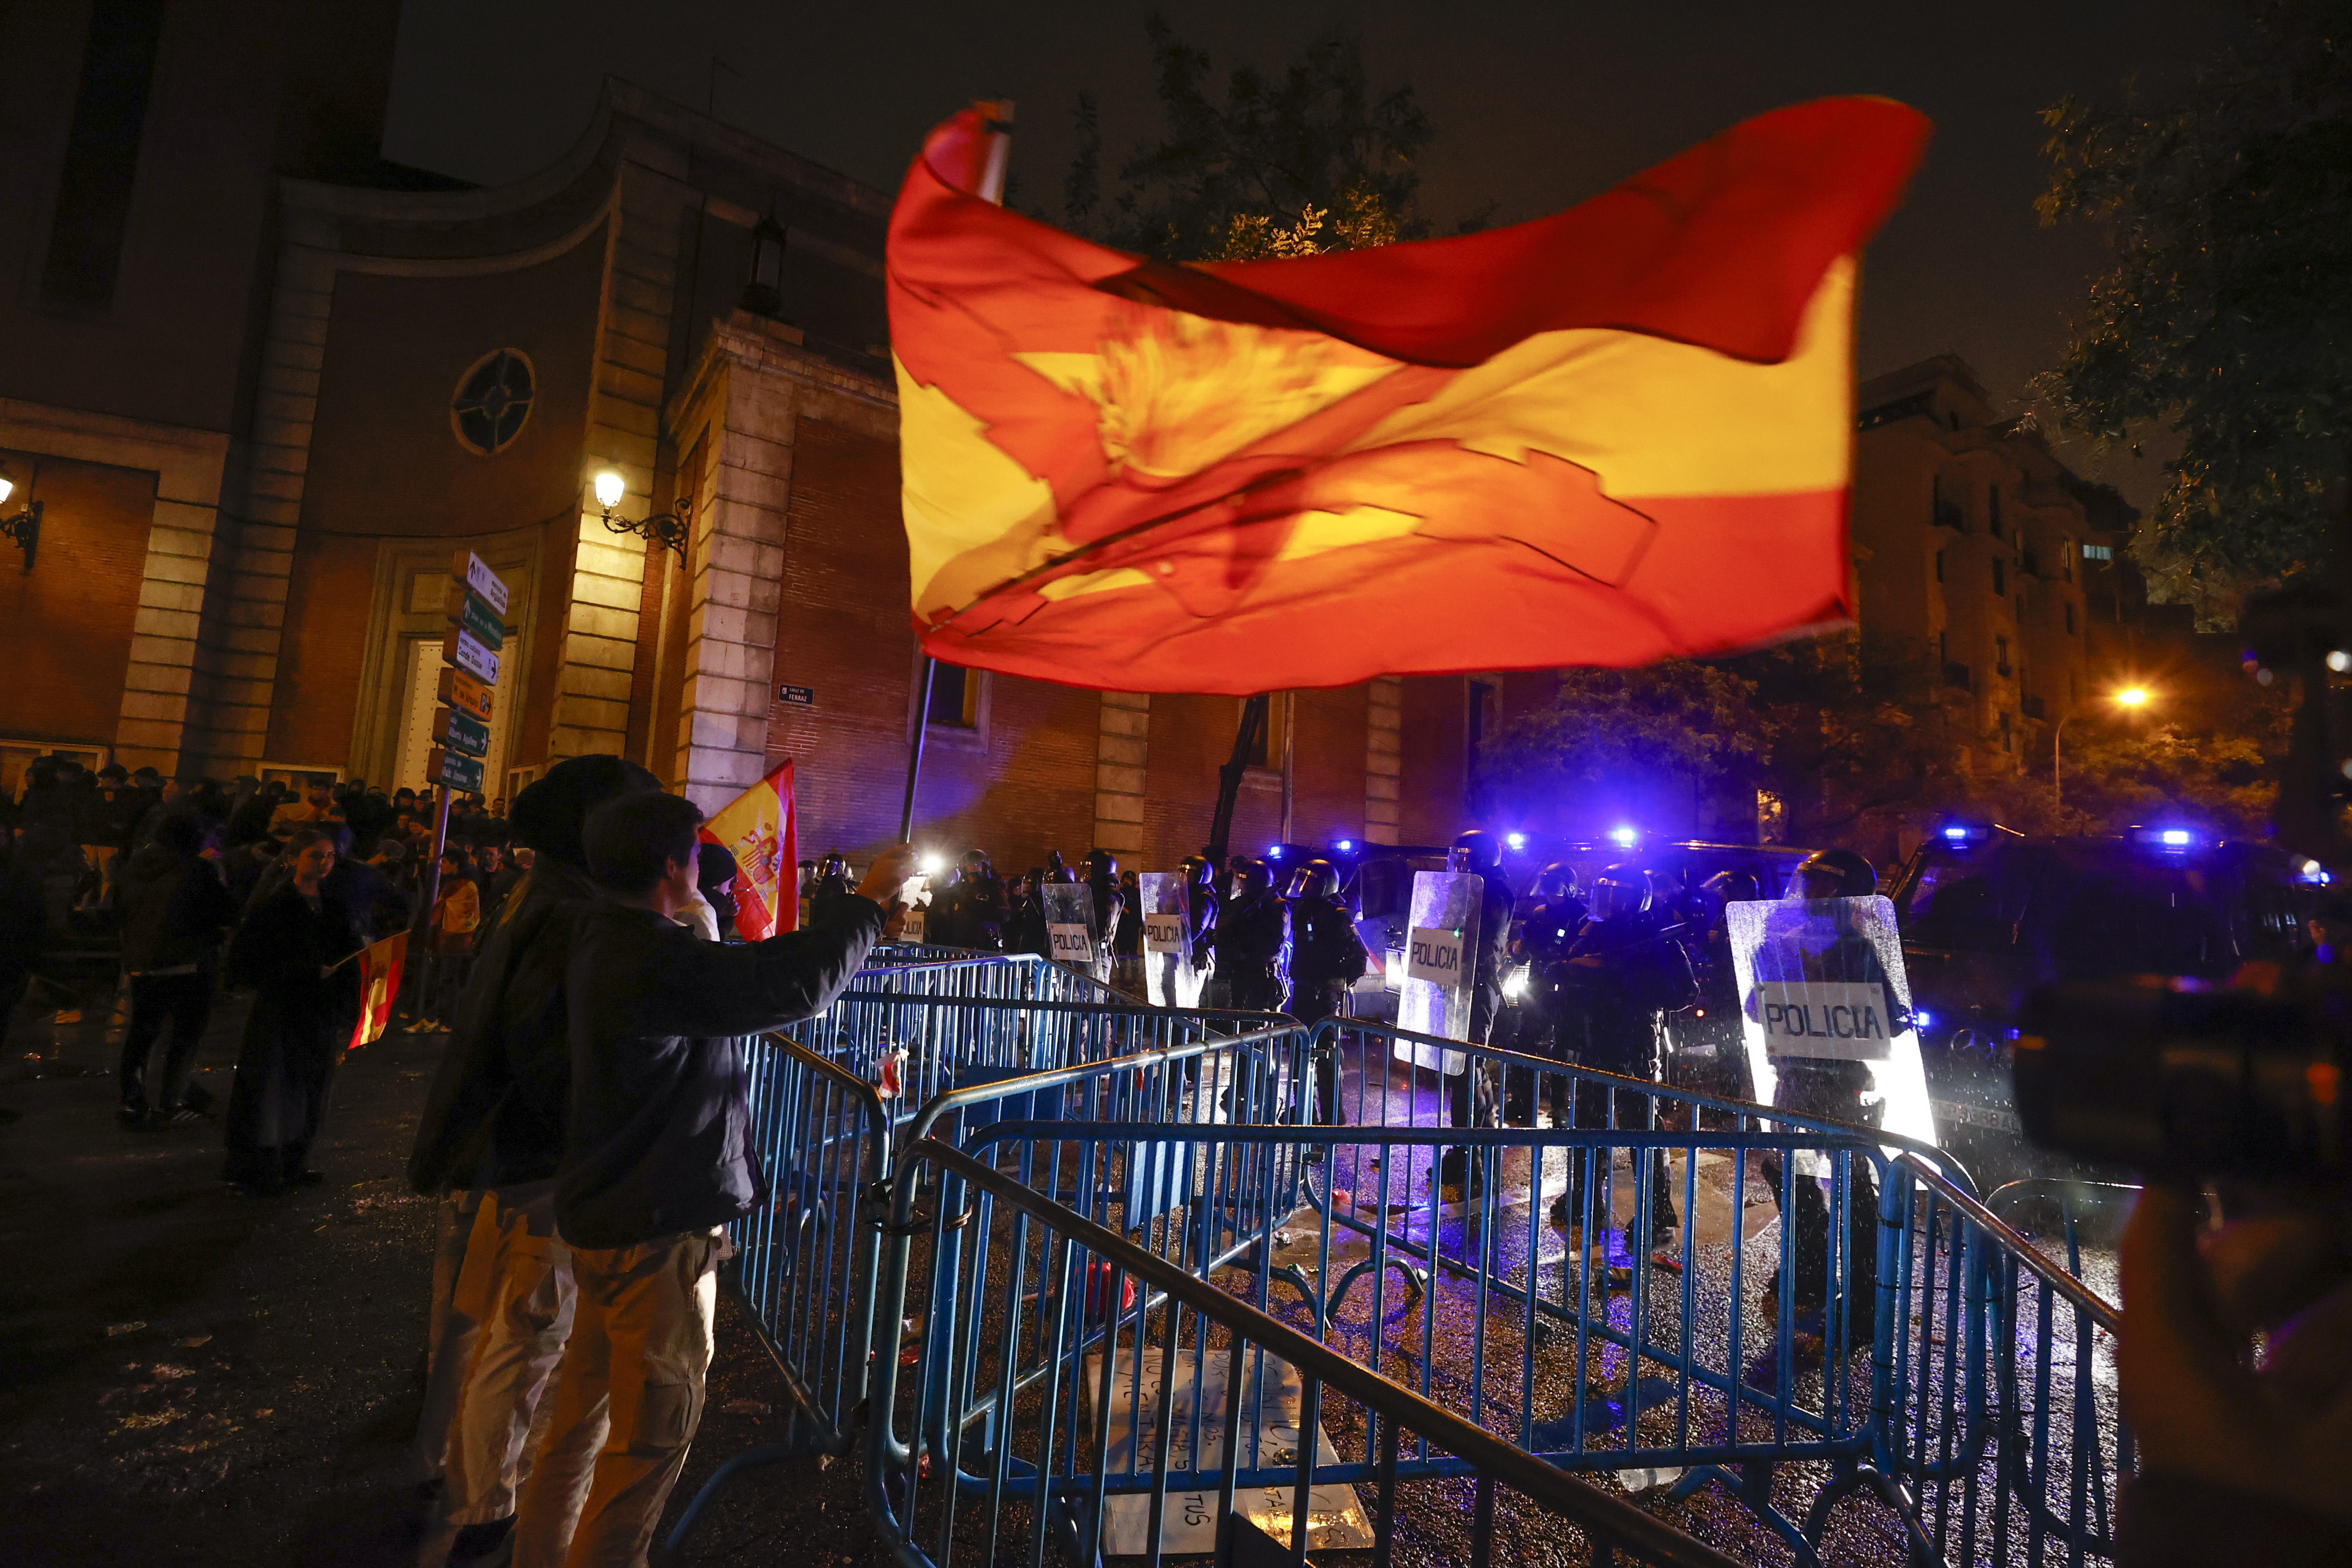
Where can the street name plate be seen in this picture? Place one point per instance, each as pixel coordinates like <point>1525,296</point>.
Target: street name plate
<point>475,573</point>
<point>462,648</point>
<point>449,768</point>
<point>459,732</point>
<point>797,696</point>
<point>463,693</point>
<point>474,613</point>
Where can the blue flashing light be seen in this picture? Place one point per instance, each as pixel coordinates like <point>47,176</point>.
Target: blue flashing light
<point>1345,845</point>
<point>1624,837</point>
<point>1515,840</point>
<point>1959,833</point>
<point>2314,874</point>
<point>1923,1018</point>
<point>2177,838</point>
<point>1274,852</point>
<point>1963,835</point>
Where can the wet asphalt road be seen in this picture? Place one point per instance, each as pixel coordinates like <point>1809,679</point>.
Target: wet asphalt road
<point>189,1377</point>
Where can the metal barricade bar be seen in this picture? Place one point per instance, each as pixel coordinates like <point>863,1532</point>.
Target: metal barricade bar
<point>1056,1464</point>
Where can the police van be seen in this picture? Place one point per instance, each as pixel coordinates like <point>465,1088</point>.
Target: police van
<point>1987,914</point>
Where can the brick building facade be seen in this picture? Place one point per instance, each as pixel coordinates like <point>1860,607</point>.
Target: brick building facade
<point>244,557</point>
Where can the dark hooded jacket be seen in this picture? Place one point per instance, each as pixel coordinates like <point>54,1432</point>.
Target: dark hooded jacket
<point>175,908</point>
<point>494,1117</point>
<point>659,1139</point>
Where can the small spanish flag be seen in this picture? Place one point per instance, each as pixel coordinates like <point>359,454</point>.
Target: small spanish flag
<point>380,965</point>
<point>1618,433</point>
<point>758,826</point>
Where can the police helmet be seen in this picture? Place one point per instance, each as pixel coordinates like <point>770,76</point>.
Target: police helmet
<point>1556,880</point>
<point>1844,873</point>
<point>1198,872</point>
<point>1475,850</point>
<point>1252,874</point>
<point>1732,887</point>
<point>1100,866</point>
<point>1619,892</point>
<point>1318,878</point>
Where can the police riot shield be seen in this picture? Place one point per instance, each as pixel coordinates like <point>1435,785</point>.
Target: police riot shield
<point>1440,962</point>
<point>1167,916</point>
<point>1070,929</point>
<point>1822,980</point>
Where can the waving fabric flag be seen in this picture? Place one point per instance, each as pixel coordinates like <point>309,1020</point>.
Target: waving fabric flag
<point>758,826</point>
<point>380,966</point>
<point>1612,436</point>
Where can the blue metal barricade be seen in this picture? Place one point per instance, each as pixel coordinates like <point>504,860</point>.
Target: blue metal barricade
<point>1526,1294</point>
<point>1078,1389</point>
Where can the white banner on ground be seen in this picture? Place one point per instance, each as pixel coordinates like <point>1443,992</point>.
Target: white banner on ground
<point>1070,929</point>
<point>1168,940</point>
<point>1336,1521</point>
<point>1440,957</point>
<point>1823,979</point>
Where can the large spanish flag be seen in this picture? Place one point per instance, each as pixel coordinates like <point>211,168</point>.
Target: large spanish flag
<point>1615,435</point>
<point>759,827</point>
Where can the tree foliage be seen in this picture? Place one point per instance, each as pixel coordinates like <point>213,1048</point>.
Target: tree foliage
<point>1683,721</point>
<point>2227,316</point>
<point>1310,158</point>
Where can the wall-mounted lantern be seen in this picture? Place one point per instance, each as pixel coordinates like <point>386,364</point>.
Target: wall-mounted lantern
<point>764,294</point>
<point>667,528</point>
<point>24,528</point>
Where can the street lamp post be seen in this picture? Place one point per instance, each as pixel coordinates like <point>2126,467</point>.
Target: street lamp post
<point>2129,696</point>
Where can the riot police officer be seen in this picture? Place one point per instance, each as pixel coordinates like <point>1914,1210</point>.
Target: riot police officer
<point>1611,992</point>
<point>1326,956</point>
<point>1200,905</point>
<point>1829,1087</point>
<point>1251,934</point>
<point>1472,1096</point>
<point>832,885</point>
<point>1547,928</point>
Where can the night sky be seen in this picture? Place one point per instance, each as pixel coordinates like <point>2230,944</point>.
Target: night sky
<point>1537,106</point>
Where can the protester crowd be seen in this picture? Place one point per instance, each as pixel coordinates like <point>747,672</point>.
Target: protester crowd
<point>175,889</point>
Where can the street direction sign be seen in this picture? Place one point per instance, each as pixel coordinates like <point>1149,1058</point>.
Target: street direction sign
<point>462,648</point>
<point>460,732</point>
<point>471,570</point>
<point>466,694</point>
<point>449,768</point>
<point>474,613</point>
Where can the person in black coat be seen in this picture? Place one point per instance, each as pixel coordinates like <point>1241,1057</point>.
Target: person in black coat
<point>1251,936</point>
<point>1326,956</point>
<point>174,908</point>
<point>1610,996</point>
<point>291,949</point>
<point>24,920</point>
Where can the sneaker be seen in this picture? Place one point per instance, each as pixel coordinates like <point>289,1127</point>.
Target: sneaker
<point>130,1115</point>
<point>179,1118</point>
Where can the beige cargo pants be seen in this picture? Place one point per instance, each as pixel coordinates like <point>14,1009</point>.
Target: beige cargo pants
<point>627,1401</point>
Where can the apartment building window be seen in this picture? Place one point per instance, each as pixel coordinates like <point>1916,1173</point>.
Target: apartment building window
<point>955,697</point>
<point>1942,509</point>
<point>2070,620</point>
<point>1939,567</point>
<point>2066,557</point>
<point>2000,579</point>
<point>2000,654</point>
<point>2098,552</point>
<point>1992,510</point>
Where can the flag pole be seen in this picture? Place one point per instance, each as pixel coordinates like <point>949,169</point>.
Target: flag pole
<point>999,114</point>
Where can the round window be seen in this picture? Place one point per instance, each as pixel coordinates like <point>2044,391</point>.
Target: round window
<point>492,402</point>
